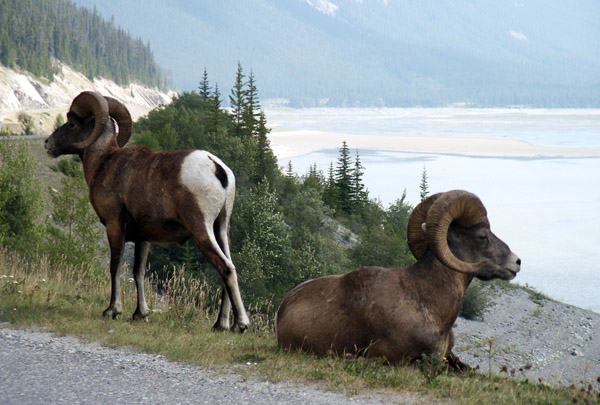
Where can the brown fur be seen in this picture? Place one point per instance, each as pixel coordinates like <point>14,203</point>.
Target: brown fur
<point>399,313</point>
<point>138,197</point>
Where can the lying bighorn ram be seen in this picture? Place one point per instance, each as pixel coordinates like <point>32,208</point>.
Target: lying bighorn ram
<point>148,197</point>
<point>401,314</point>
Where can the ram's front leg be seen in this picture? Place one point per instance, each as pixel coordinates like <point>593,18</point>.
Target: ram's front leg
<point>142,249</point>
<point>116,240</point>
<point>453,360</point>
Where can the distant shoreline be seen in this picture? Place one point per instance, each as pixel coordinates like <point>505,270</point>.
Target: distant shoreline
<point>288,143</point>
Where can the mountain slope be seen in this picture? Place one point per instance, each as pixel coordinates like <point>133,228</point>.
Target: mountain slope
<point>33,34</point>
<point>349,52</point>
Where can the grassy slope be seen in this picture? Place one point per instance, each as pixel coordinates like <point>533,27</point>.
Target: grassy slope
<point>70,301</point>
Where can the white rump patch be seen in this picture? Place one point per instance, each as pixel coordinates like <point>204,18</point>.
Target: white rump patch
<point>198,176</point>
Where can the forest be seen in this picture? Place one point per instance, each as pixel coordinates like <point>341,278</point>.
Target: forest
<point>35,34</point>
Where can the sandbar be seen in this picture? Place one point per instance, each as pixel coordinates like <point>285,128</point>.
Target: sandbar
<point>288,143</point>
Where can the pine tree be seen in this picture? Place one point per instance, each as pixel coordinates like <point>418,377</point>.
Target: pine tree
<point>267,163</point>
<point>424,185</point>
<point>252,106</point>
<point>214,111</point>
<point>343,179</point>
<point>237,102</point>
<point>330,191</point>
<point>358,194</point>
<point>314,178</point>
<point>205,87</point>
<point>289,172</point>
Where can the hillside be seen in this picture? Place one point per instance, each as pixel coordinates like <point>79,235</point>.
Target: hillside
<point>392,53</point>
<point>33,34</point>
<point>44,99</point>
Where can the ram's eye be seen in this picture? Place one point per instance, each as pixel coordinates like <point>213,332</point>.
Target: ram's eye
<point>71,124</point>
<point>483,238</point>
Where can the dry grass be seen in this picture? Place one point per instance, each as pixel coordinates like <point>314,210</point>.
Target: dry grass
<point>70,301</point>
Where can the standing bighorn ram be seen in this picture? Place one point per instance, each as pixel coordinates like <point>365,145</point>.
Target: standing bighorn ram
<point>144,196</point>
<point>403,313</point>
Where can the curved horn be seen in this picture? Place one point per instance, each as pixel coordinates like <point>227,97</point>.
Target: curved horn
<point>467,210</point>
<point>417,239</point>
<point>86,104</point>
<point>120,113</point>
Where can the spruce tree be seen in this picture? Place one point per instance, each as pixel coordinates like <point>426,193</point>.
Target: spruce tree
<point>424,185</point>
<point>267,163</point>
<point>358,193</point>
<point>204,87</point>
<point>343,179</point>
<point>214,111</point>
<point>237,102</point>
<point>314,179</point>
<point>252,106</point>
<point>289,172</point>
<point>329,191</point>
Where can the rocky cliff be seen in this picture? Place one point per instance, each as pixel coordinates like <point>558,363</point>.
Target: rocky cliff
<point>44,100</point>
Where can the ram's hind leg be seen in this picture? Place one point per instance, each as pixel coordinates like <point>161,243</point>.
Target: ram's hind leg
<point>222,236</point>
<point>223,318</point>
<point>142,248</point>
<point>206,241</point>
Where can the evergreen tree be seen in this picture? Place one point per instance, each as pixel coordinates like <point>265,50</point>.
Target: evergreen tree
<point>215,110</point>
<point>358,194</point>
<point>330,191</point>
<point>314,179</point>
<point>237,102</point>
<point>289,172</point>
<point>267,163</point>
<point>205,87</point>
<point>343,179</point>
<point>252,106</point>
<point>424,185</point>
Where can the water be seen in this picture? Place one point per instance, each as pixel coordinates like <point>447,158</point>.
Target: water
<point>546,209</point>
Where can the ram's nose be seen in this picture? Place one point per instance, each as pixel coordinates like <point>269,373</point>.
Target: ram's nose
<point>515,263</point>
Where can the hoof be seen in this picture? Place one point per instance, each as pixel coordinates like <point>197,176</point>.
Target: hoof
<point>455,364</point>
<point>111,313</point>
<point>239,328</point>
<point>138,316</point>
<point>219,328</point>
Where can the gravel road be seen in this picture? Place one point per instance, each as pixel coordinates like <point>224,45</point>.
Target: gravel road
<point>41,368</point>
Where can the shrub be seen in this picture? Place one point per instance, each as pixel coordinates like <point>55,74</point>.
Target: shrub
<point>477,300</point>
<point>21,198</point>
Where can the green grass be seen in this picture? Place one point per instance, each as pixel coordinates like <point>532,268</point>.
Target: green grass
<point>70,301</point>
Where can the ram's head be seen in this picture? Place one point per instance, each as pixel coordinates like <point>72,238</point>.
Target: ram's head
<point>87,119</point>
<point>454,226</point>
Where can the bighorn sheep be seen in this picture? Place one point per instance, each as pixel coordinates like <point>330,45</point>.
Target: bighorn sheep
<point>402,313</point>
<point>148,197</point>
